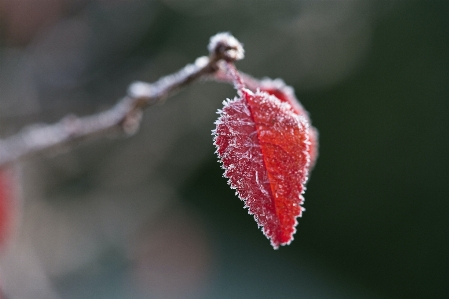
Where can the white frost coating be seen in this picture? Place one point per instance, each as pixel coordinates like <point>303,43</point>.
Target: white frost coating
<point>239,108</point>
<point>139,90</point>
<point>248,91</point>
<point>190,69</point>
<point>201,62</point>
<point>230,43</point>
<point>278,84</point>
<point>261,186</point>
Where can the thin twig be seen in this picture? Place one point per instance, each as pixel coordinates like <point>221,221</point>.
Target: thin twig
<point>126,115</point>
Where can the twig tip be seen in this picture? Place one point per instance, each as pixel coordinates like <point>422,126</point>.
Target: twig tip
<point>225,46</point>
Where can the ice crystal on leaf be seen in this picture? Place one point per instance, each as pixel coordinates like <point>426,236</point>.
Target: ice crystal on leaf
<point>265,143</point>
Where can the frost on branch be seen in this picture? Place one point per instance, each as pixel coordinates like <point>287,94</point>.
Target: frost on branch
<point>226,46</point>
<point>264,144</point>
<point>126,114</point>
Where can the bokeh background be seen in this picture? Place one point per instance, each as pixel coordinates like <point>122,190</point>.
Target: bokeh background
<point>152,217</point>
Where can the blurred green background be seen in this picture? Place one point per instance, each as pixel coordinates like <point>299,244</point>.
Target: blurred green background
<point>152,216</point>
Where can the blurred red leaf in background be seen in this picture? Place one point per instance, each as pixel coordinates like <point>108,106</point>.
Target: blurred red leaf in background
<point>6,204</point>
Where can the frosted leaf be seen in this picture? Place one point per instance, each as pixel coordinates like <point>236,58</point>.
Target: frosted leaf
<point>267,147</point>
<point>263,147</point>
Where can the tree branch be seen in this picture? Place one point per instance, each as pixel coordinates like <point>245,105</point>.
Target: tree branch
<point>126,115</point>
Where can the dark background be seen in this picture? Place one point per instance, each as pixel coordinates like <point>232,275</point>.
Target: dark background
<point>374,76</point>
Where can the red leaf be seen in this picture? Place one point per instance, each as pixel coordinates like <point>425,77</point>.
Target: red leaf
<point>264,147</point>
